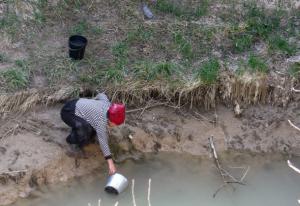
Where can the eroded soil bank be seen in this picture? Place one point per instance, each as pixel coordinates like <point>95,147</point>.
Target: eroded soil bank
<point>34,152</point>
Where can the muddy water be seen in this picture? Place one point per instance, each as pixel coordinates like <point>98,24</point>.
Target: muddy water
<point>182,180</point>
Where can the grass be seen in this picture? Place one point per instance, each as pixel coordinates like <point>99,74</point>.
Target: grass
<point>140,34</point>
<point>257,64</point>
<point>185,12</point>
<point>10,23</point>
<point>14,78</point>
<point>39,15</point>
<point>202,9</point>
<point>208,73</point>
<point>294,70</point>
<point>113,75</point>
<point>259,23</point>
<point>278,43</point>
<point>167,7</point>
<point>80,28</point>
<point>150,71</point>
<point>17,77</point>
<point>184,46</point>
<point>3,58</point>
<point>120,49</point>
<point>60,69</point>
<point>242,42</point>
<point>97,30</point>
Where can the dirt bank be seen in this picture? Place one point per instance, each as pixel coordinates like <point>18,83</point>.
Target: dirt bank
<point>34,152</point>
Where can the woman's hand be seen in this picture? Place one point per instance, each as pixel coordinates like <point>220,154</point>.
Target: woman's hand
<point>111,167</point>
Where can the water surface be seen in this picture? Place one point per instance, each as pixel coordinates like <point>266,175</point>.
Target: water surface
<point>182,180</point>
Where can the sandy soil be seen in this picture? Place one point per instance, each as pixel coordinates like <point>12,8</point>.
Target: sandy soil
<point>34,152</point>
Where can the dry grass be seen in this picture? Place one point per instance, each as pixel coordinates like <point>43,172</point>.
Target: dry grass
<point>25,100</point>
<point>246,89</point>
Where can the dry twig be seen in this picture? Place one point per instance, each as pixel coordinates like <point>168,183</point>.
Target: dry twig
<point>297,128</point>
<point>293,166</point>
<point>132,192</point>
<point>295,90</point>
<point>149,191</point>
<point>151,106</point>
<point>226,176</point>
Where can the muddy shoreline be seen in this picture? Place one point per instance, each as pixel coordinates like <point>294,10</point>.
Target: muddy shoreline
<point>35,153</point>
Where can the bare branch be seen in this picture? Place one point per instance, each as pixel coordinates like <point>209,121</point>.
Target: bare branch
<point>151,106</point>
<point>295,90</point>
<point>132,191</point>
<point>149,192</point>
<point>242,179</point>
<point>297,128</point>
<point>226,176</point>
<point>293,166</point>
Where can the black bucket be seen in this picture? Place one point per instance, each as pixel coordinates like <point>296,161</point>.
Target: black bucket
<point>77,46</point>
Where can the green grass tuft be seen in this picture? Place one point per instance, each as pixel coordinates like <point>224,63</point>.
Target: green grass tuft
<point>80,28</point>
<point>185,12</point>
<point>167,7</point>
<point>256,64</point>
<point>202,9</point>
<point>140,34</point>
<point>14,78</point>
<point>155,71</point>
<point>259,25</point>
<point>3,58</point>
<point>120,49</point>
<point>114,74</point>
<point>184,46</point>
<point>209,71</point>
<point>243,42</point>
<point>97,30</point>
<point>294,70</point>
<point>10,23</point>
<point>60,69</point>
<point>277,43</point>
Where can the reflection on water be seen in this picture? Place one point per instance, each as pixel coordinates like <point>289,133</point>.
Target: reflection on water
<point>181,180</point>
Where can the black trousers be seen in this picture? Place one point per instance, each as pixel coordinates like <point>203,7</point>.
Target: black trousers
<point>82,132</point>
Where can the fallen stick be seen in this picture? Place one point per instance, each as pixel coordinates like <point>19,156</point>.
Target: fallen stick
<point>151,106</point>
<point>116,203</point>
<point>243,177</point>
<point>221,187</point>
<point>205,118</point>
<point>295,90</point>
<point>132,191</point>
<point>144,108</point>
<point>293,166</point>
<point>297,128</point>
<point>149,191</point>
<point>226,176</point>
<point>12,172</point>
<point>215,156</point>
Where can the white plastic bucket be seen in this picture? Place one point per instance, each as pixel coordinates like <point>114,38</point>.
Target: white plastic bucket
<point>116,183</point>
